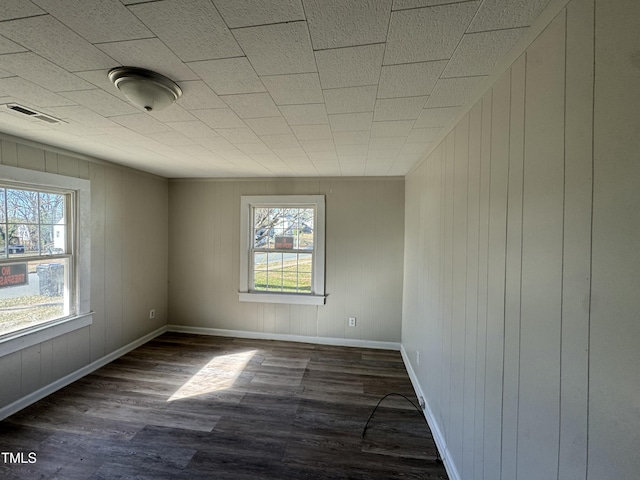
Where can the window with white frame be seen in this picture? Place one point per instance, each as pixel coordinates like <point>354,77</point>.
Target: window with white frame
<point>36,255</point>
<point>282,249</point>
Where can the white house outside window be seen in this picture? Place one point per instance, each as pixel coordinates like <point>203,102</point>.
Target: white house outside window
<point>282,258</point>
<point>36,256</point>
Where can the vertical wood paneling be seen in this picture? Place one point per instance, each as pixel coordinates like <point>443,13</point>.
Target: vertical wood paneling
<point>113,250</point>
<point>116,193</point>
<point>513,271</point>
<point>471,293</point>
<point>614,376</point>
<point>483,256</point>
<point>459,266</point>
<point>542,227</point>
<point>364,255</point>
<point>448,158</point>
<point>528,249</point>
<point>576,281</point>
<point>495,274</point>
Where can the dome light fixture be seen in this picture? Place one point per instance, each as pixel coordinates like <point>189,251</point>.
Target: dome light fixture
<point>144,88</point>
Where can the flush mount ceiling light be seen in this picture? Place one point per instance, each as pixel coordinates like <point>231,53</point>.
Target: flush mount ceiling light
<point>144,88</point>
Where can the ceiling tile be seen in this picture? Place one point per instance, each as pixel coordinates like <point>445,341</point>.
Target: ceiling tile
<point>294,89</point>
<point>81,115</point>
<point>18,9</point>
<point>254,148</point>
<point>174,113</point>
<point>425,34</point>
<point>352,138</point>
<point>423,135</point>
<point>336,23</point>
<point>406,4</point>
<point>151,54</point>
<point>398,128</point>
<point>350,99</point>
<point>32,95</point>
<point>100,79</point>
<point>218,143</point>
<point>436,117</point>
<point>239,135</point>
<point>499,14</point>
<point>97,20</point>
<point>244,13</point>
<point>141,123</point>
<point>7,46</point>
<point>386,143</point>
<point>280,141</point>
<point>318,146</point>
<point>252,105</point>
<point>409,80</point>
<point>197,95</point>
<point>322,157</point>
<point>310,114</point>
<point>51,39</point>
<point>478,53</point>
<point>101,102</point>
<point>347,122</point>
<point>269,125</point>
<point>295,153</point>
<point>278,49</point>
<point>414,148</point>
<point>344,150</point>
<point>219,118</point>
<point>453,92</point>
<point>312,132</point>
<point>350,67</point>
<point>173,139</point>
<point>229,75</point>
<point>192,129</point>
<point>34,68</point>
<point>407,108</point>
<point>193,29</point>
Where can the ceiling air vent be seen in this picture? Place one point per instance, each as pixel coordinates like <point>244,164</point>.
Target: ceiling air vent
<point>22,110</point>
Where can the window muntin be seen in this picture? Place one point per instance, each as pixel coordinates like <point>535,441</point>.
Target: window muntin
<point>35,242</point>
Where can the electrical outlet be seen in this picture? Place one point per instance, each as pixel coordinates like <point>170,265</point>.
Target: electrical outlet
<point>152,313</point>
<point>352,321</point>
<point>418,357</point>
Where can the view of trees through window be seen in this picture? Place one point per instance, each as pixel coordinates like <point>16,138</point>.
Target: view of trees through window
<point>282,250</point>
<point>34,259</point>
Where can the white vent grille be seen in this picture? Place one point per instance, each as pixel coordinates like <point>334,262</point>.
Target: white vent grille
<point>29,112</point>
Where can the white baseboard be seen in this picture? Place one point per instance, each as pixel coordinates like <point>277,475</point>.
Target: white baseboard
<point>343,342</point>
<point>441,443</point>
<point>73,376</point>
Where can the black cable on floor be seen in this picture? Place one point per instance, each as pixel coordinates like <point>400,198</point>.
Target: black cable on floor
<point>418,409</point>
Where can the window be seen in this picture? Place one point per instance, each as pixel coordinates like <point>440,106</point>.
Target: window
<point>44,256</point>
<point>282,249</point>
<point>36,260</point>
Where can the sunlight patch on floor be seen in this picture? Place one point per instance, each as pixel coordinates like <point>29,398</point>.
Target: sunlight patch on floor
<point>219,374</point>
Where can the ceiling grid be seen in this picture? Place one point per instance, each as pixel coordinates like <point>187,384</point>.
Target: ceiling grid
<point>270,88</point>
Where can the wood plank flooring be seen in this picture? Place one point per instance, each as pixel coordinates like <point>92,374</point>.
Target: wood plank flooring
<point>201,407</point>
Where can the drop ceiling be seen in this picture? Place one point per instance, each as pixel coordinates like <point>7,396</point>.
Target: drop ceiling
<point>272,88</point>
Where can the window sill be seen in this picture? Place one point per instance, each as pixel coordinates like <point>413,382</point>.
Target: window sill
<point>290,298</point>
<point>20,340</point>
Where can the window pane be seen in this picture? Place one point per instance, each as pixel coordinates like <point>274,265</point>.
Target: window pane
<point>52,208</point>
<point>3,210</point>
<point>22,239</point>
<point>22,206</point>
<point>304,282</point>
<point>33,292</point>
<point>305,262</point>
<point>306,229</point>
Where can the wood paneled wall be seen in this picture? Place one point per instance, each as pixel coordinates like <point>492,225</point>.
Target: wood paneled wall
<point>364,252</point>
<point>522,262</point>
<point>129,219</point>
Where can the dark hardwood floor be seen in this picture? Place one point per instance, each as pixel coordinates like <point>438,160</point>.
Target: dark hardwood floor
<point>200,407</point>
